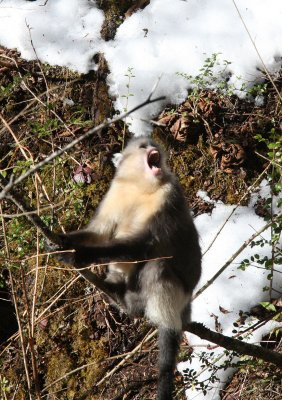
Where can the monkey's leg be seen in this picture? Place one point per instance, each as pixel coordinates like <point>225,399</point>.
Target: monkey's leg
<point>135,304</point>
<point>169,340</point>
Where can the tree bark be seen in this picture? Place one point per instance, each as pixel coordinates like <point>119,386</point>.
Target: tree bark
<point>235,345</point>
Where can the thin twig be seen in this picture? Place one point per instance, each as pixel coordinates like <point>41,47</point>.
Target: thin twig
<point>248,191</point>
<point>24,214</point>
<point>268,159</point>
<point>127,357</point>
<point>39,100</point>
<point>235,345</point>
<point>32,102</point>
<point>232,258</point>
<point>25,361</point>
<point>31,340</point>
<point>258,53</point>
<point>24,151</point>
<point>51,157</point>
<point>33,218</point>
<point>63,290</point>
<point>39,64</point>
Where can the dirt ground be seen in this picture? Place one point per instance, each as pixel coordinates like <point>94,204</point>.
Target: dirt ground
<point>77,345</point>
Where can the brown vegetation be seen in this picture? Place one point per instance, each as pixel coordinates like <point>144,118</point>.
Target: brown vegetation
<point>71,343</point>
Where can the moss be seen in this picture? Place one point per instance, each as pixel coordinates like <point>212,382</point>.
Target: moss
<point>197,170</point>
<point>114,12</point>
<point>59,364</point>
<point>75,332</point>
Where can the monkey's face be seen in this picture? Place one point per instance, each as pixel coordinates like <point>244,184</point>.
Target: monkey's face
<point>143,162</point>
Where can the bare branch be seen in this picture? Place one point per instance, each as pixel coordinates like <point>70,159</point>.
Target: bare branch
<point>235,344</point>
<point>258,53</point>
<point>8,191</point>
<point>247,192</point>
<point>232,258</point>
<point>51,157</point>
<point>53,237</point>
<point>29,213</point>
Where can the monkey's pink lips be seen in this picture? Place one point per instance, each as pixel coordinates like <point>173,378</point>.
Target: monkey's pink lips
<point>154,161</point>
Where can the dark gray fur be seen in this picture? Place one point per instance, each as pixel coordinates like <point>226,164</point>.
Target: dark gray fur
<point>169,233</point>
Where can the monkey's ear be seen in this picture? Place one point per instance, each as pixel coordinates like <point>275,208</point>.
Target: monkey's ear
<point>116,159</point>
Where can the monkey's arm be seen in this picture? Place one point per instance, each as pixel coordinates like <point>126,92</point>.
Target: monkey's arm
<point>133,249</point>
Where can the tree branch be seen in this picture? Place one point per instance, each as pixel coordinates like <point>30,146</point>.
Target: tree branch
<point>194,327</point>
<point>13,182</point>
<point>234,344</point>
<point>51,236</point>
<point>30,214</point>
<point>235,255</point>
<point>9,192</point>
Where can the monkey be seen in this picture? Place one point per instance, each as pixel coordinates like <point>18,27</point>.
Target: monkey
<point>144,231</point>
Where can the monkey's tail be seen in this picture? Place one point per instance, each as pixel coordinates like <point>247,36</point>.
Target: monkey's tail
<point>169,341</point>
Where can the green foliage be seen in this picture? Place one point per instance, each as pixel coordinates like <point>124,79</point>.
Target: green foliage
<point>7,90</point>
<point>214,75</point>
<point>211,362</point>
<point>20,235</point>
<point>129,74</point>
<point>21,166</point>
<point>256,90</point>
<point>273,143</point>
<point>44,129</point>
<point>268,306</point>
<point>5,387</point>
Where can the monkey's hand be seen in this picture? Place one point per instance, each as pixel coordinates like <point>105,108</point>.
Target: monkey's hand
<point>63,252</point>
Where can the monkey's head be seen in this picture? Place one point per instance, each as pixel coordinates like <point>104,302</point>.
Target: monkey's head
<point>144,162</point>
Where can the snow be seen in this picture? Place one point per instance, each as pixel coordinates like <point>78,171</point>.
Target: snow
<point>163,40</point>
<point>63,32</point>
<point>181,37</point>
<point>234,289</point>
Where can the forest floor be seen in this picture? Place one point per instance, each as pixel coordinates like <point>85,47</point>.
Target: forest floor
<point>75,344</point>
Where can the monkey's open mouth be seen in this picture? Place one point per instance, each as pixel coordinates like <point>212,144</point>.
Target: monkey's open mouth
<point>154,161</point>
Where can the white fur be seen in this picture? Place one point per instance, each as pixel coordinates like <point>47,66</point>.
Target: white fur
<point>116,159</point>
<point>165,305</point>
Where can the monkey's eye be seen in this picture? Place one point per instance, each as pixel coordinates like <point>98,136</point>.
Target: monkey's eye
<point>142,146</point>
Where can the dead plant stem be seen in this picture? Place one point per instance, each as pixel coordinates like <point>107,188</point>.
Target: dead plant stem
<point>232,258</point>
<point>24,152</point>
<point>32,102</point>
<point>40,67</point>
<point>38,99</point>
<point>248,191</point>
<point>13,182</point>
<point>257,51</point>
<point>31,340</point>
<point>127,357</point>
<point>22,341</point>
<point>273,162</point>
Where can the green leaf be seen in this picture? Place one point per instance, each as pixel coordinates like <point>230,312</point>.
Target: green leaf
<point>268,306</point>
